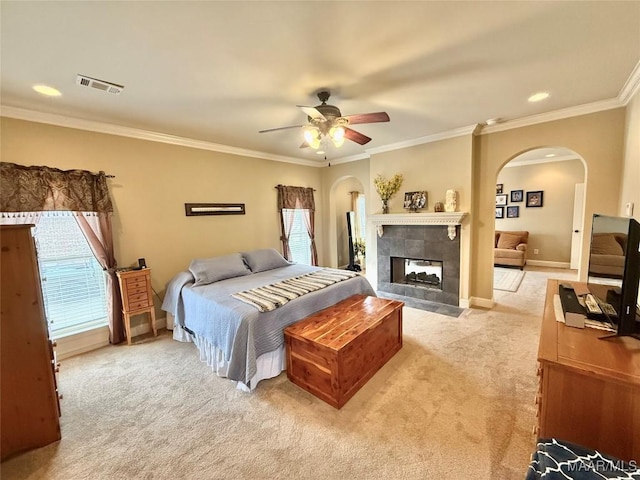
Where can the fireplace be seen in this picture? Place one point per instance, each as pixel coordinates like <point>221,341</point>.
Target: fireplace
<point>411,257</point>
<point>418,272</point>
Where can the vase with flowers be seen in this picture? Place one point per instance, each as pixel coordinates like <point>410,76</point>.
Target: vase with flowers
<point>387,189</point>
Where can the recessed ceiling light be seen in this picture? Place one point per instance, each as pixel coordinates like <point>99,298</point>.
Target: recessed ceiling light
<point>46,90</point>
<point>319,152</point>
<point>536,97</point>
<point>549,155</point>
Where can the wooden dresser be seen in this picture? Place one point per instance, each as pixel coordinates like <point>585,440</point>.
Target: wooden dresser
<point>589,390</point>
<point>137,298</point>
<point>28,400</point>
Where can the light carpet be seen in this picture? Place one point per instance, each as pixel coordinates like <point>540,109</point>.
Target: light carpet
<point>454,403</point>
<point>507,279</point>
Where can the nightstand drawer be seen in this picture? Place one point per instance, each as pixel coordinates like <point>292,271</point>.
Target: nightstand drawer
<point>137,305</point>
<point>137,297</point>
<point>139,282</point>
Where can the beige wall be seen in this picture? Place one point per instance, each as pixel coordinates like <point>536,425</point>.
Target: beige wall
<point>630,191</point>
<point>154,181</point>
<point>549,227</point>
<point>597,138</point>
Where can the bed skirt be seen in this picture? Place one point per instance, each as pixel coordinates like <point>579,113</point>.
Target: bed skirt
<point>268,365</point>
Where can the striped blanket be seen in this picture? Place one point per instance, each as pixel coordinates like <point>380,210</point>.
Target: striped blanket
<point>270,297</point>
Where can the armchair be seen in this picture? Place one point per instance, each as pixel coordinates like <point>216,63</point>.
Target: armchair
<point>510,249</point>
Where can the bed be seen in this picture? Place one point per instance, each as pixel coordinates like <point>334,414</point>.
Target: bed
<point>234,338</point>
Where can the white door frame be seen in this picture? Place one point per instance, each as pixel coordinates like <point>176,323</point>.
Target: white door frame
<point>576,228</point>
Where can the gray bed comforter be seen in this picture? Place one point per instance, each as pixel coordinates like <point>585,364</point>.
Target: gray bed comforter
<point>240,330</point>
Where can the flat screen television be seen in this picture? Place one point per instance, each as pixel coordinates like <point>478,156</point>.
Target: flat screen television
<point>614,261</point>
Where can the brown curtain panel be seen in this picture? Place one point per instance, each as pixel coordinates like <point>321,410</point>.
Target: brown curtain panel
<point>38,188</point>
<point>297,198</point>
<point>96,228</point>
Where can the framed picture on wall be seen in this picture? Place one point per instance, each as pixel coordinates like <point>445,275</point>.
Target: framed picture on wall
<point>534,199</point>
<point>517,196</point>
<point>513,211</point>
<point>499,188</point>
<point>499,212</point>
<point>501,199</point>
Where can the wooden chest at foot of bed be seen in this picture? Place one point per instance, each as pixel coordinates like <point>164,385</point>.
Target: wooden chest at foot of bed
<point>335,351</point>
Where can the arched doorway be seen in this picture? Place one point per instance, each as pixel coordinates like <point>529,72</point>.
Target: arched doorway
<point>340,202</point>
<point>542,191</point>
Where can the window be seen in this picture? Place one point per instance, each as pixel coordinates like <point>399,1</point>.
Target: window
<point>299,241</point>
<point>73,283</point>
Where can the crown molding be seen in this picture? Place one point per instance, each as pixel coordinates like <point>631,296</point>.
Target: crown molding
<point>458,132</point>
<point>350,158</point>
<point>111,129</point>
<point>555,115</point>
<point>631,86</point>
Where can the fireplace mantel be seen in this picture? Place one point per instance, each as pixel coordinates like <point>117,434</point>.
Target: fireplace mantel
<point>451,219</point>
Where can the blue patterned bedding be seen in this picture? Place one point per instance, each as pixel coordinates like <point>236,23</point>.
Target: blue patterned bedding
<point>558,460</point>
<point>240,330</point>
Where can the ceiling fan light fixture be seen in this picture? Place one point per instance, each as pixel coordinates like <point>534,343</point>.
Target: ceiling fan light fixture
<point>337,135</point>
<point>312,137</point>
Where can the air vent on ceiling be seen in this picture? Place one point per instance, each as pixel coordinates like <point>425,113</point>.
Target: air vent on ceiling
<point>99,84</point>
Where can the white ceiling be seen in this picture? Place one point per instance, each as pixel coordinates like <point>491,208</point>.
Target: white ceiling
<point>220,71</point>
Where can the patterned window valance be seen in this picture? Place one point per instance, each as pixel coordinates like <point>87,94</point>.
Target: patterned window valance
<point>295,197</point>
<point>36,189</point>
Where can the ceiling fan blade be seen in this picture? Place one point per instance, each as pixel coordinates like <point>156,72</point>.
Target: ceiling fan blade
<point>367,118</point>
<point>280,128</point>
<point>312,112</point>
<point>356,136</point>
<point>304,145</point>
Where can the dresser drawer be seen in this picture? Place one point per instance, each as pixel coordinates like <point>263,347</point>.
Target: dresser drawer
<point>138,282</point>
<point>138,305</point>
<point>137,297</point>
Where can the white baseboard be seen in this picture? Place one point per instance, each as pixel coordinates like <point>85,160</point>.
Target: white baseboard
<point>96,338</point>
<point>464,303</point>
<point>549,264</point>
<point>481,302</point>
<point>82,342</point>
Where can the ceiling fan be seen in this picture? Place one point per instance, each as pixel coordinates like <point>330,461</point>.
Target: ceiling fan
<point>327,121</point>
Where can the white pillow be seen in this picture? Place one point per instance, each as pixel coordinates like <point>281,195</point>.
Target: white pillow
<point>210,270</point>
<point>264,259</point>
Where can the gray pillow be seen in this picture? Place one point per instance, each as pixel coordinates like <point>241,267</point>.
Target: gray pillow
<point>264,259</point>
<point>210,270</point>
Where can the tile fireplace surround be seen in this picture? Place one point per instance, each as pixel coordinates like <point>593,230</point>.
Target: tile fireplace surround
<point>428,236</point>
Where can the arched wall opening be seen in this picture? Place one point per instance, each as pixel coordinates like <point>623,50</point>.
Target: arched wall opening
<point>542,191</point>
<point>339,205</point>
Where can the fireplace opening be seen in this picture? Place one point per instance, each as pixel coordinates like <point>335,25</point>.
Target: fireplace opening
<point>417,272</point>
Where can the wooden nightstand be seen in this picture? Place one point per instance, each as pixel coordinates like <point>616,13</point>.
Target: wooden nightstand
<point>135,288</point>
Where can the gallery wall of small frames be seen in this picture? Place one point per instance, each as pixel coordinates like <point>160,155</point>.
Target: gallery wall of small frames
<point>504,201</point>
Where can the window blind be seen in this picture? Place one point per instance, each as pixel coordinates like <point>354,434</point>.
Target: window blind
<point>299,241</point>
<point>73,283</point>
